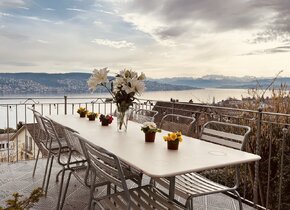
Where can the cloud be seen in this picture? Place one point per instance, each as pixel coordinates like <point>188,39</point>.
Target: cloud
<point>35,18</point>
<point>49,9</point>
<point>11,3</point>
<point>25,8</point>
<point>42,41</point>
<point>16,63</point>
<point>273,50</point>
<point>114,44</point>
<point>16,36</point>
<point>75,9</point>
<point>177,18</point>
<point>3,14</point>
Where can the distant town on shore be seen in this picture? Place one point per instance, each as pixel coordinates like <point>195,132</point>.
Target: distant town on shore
<point>42,83</point>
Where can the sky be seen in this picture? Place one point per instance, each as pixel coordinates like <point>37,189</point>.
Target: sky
<point>162,38</point>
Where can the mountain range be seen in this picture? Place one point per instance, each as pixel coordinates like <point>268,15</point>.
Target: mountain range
<point>23,83</point>
<point>220,81</point>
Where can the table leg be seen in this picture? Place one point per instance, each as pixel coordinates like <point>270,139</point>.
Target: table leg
<point>171,187</point>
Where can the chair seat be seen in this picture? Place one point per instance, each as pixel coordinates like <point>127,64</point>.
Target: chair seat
<point>192,184</point>
<point>75,158</point>
<point>142,198</point>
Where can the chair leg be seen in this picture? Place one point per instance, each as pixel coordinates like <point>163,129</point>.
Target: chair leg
<point>45,172</point>
<point>56,178</point>
<point>48,176</point>
<point>35,164</point>
<point>91,205</point>
<point>189,204</point>
<point>60,189</point>
<point>239,199</point>
<point>65,190</point>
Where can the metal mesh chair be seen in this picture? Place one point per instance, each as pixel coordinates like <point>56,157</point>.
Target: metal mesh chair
<point>82,172</point>
<point>79,171</point>
<point>143,115</point>
<point>58,148</point>
<point>175,122</point>
<point>194,184</point>
<point>41,138</point>
<point>107,165</point>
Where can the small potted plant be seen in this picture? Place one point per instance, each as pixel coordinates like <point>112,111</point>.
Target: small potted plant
<point>150,129</point>
<point>106,119</point>
<point>173,140</point>
<point>82,111</point>
<point>92,116</point>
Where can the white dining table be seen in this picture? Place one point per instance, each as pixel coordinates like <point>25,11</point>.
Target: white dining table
<point>154,159</point>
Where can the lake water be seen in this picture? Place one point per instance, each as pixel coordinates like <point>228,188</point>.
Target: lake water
<point>197,96</point>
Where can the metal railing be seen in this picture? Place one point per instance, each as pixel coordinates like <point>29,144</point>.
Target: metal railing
<point>269,138</point>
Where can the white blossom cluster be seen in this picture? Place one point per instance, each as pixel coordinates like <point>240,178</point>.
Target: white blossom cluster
<point>150,125</point>
<point>127,80</point>
<point>130,82</point>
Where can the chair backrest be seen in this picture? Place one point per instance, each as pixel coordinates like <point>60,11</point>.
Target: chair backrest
<point>50,130</point>
<point>226,134</point>
<point>105,165</point>
<point>73,141</point>
<point>37,117</point>
<point>143,115</point>
<point>175,122</point>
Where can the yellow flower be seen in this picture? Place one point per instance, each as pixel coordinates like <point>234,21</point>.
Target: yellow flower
<point>173,136</point>
<point>82,110</point>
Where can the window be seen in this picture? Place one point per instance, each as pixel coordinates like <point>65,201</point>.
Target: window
<point>2,146</point>
<point>28,144</point>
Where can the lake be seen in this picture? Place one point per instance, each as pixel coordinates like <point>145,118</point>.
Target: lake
<point>197,96</point>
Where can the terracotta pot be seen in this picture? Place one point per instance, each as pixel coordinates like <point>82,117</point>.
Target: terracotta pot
<point>150,137</point>
<point>173,145</point>
<point>82,114</point>
<point>105,123</point>
<point>92,118</point>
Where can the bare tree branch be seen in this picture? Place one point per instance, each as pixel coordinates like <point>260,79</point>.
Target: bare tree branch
<point>275,78</point>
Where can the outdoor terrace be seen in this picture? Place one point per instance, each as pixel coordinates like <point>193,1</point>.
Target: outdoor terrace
<point>17,177</point>
<point>263,184</point>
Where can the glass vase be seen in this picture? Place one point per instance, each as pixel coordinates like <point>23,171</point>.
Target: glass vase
<point>122,120</point>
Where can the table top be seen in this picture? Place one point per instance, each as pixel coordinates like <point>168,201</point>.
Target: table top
<point>154,159</point>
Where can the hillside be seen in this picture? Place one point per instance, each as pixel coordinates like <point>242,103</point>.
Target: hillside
<point>23,83</point>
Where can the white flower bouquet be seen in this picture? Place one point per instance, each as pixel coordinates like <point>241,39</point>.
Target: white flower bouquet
<point>123,88</point>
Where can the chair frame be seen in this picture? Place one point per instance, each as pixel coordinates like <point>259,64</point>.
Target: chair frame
<point>188,183</point>
<point>138,112</point>
<point>42,142</point>
<point>106,164</point>
<point>190,126</point>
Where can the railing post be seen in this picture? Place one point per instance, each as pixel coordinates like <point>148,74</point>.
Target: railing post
<point>65,105</point>
<point>258,145</point>
<point>284,131</point>
<point>8,137</point>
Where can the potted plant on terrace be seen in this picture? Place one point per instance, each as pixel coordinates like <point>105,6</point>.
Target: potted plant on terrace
<point>173,140</point>
<point>150,129</point>
<point>82,111</point>
<point>106,119</point>
<point>92,116</point>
